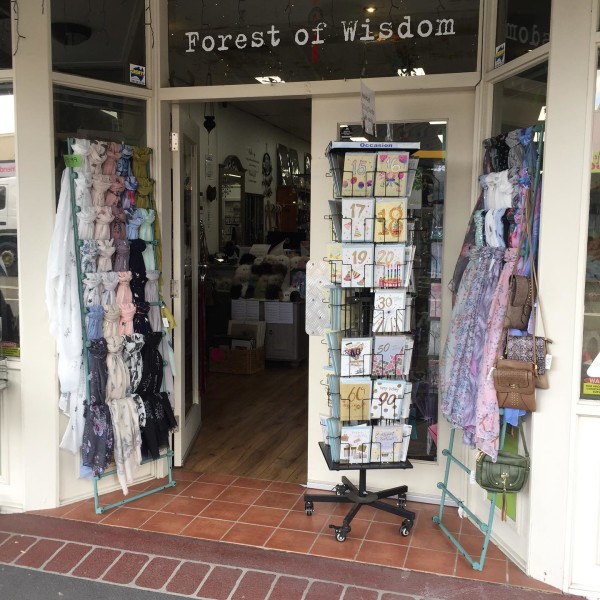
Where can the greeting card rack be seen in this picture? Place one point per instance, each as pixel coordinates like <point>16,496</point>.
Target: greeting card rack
<point>73,161</point>
<point>368,336</point>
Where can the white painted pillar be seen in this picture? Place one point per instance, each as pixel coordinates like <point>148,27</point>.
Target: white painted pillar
<point>566,177</point>
<point>37,206</point>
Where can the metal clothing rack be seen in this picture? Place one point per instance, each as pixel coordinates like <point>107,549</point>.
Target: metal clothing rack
<point>168,455</point>
<point>485,527</point>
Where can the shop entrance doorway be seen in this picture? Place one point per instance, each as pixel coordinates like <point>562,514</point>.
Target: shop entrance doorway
<point>244,183</point>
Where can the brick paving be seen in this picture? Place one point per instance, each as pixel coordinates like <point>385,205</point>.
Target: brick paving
<point>219,571</point>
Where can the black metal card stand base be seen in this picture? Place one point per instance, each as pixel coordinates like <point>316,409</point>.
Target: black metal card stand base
<point>347,492</point>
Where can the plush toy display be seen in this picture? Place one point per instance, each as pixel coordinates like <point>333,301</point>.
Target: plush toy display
<point>298,277</point>
<point>242,285</point>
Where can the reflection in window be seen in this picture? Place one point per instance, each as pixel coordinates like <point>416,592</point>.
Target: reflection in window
<point>9,262</point>
<point>99,40</point>
<point>5,35</point>
<point>269,41</point>
<point>521,27</point>
<point>90,115</point>
<point>590,352</point>
<point>520,101</point>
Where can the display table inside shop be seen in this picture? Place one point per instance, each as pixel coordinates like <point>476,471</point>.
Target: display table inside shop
<point>347,492</point>
<point>285,337</point>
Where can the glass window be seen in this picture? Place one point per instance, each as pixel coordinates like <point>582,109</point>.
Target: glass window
<point>9,263</point>
<point>91,115</point>
<point>258,42</point>
<point>520,100</point>
<point>100,40</point>
<point>590,353</point>
<point>521,27</point>
<point>5,35</point>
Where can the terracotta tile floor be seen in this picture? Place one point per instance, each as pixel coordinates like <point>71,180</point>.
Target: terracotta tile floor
<point>271,515</point>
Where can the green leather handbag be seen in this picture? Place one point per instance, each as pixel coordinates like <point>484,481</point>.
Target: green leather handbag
<point>508,474</point>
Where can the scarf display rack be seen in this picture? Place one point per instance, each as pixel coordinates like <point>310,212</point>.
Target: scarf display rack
<point>530,154</point>
<point>154,325</point>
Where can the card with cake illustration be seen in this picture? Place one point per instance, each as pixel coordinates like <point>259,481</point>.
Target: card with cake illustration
<point>357,265</point>
<point>356,444</point>
<point>359,174</point>
<point>391,177</point>
<point>356,356</point>
<point>390,262</point>
<point>357,219</point>
<point>386,444</point>
<point>390,220</point>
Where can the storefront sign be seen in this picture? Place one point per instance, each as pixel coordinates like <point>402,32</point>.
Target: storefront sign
<point>353,31</point>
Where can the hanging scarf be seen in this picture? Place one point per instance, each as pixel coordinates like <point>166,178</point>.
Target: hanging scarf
<point>124,162</point>
<point>96,158</point>
<point>110,324</point>
<point>145,187</point>
<point>141,324</point>
<point>103,220</point>
<point>105,253</point>
<point>134,220</point>
<point>152,297</point>
<point>92,289</point>
<point>113,153</point>
<point>94,320</point>
<point>141,157</point>
<point>126,322</point>
<point>113,194</point>
<point>86,219</point>
<point>118,229</point>
<point>110,280</point>
<point>121,255</point>
<point>124,295</point>
<point>128,196</point>
<point>89,252</point>
<point>100,184</point>
<point>132,357</point>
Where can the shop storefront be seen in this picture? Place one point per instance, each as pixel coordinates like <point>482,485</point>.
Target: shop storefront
<point>478,69</point>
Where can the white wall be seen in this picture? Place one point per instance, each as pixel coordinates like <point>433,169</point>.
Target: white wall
<point>457,107</point>
<point>246,137</point>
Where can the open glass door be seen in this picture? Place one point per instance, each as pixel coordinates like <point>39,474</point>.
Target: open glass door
<point>185,273</point>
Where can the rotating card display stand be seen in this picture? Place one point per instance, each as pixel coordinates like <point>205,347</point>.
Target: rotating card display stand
<point>72,160</point>
<point>371,262</point>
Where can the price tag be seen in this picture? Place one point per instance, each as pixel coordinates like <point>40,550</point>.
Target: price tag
<point>548,361</point>
<point>165,322</point>
<point>73,160</point>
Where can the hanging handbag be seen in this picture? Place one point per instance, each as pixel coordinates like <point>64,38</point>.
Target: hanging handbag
<point>520,301</point>
<point>508,474</point>
<point>520,347</point>
<point>514,381</point>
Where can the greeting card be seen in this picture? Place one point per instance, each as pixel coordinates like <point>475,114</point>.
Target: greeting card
<point>357,219</point>
<point>334,257</point>
<point>355,398</point>
<point>359,173</point>
<point>390,261</point>
<point>356,444</point>
<point>357,265</point>
<point>390,220</point>
<point>391,177</point>
<point>356,356</point>
<point>388,355</point>
<point>388,400</point>
<point>387,443</point>
<point>389,311</point>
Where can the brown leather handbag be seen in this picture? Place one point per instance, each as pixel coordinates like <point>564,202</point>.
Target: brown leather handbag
<point>514,381</point>
<point>520,300</point>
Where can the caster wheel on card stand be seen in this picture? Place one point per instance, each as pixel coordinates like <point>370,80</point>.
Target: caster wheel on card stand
<point>340,532</point>
<point>406,527</point>
<point>308,507</point>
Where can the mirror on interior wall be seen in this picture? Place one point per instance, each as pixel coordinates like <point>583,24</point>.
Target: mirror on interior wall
<point>232,177</point>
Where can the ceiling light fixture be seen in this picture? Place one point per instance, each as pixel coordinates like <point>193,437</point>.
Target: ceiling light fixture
<point>437,122</point>
<point>269,79</point>
<point>370,9</point>
<point>359,139</point>
<point>542,115</point>
<point>416,71</point>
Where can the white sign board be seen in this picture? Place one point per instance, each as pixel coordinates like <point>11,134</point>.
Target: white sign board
<point>367,101</point>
